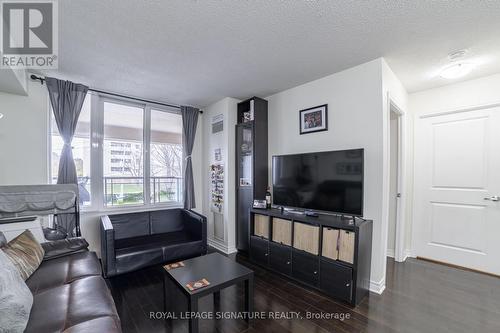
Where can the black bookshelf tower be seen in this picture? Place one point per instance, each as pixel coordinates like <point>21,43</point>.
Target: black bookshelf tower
<point>251,163</point>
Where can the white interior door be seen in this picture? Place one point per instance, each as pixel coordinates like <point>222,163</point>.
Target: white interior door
<point>457,179</point>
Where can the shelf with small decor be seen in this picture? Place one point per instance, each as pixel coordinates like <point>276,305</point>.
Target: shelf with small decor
<point>251,163</point>
<point>330,253</point>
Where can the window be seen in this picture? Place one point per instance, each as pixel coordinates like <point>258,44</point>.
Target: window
<point>165,157</point>
<point>136,151</point>
<point>81,151</point>
<point>123,136</point>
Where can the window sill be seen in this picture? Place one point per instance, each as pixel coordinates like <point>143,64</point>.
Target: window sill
<point>130,209</point>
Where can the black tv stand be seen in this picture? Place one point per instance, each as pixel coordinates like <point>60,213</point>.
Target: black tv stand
<point>311,213</point>
<point>331,253</point>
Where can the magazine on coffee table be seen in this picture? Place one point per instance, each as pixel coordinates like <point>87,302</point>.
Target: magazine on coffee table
<point>192,286</point>
<point>174,265</point>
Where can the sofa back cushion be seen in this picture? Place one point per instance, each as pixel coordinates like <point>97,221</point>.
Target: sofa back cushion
<point>130,225</point>
<point>168,220</point>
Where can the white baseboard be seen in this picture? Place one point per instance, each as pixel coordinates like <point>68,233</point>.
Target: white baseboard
<point>408,254</point>
<point>221,246</point>
<point>377,287</point>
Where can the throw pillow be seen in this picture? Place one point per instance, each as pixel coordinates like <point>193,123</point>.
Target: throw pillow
<point>25,252</point>
<point>15,298</point>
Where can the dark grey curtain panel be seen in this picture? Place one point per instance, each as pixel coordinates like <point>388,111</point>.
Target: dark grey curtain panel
<point>66,99</point>
<point>189,123</point>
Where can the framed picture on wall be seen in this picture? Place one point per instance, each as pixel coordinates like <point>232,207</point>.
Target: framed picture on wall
<point>314,119</point>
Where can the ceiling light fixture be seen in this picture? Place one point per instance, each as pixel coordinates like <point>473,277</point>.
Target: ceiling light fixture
<point>1,115</point>
<point>458,67</point>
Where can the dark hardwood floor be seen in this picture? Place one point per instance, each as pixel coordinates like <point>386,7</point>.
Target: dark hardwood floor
<point>420,297</point>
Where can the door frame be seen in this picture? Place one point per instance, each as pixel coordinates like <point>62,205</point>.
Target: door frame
<point>416,136</point>
<point>400,253</point>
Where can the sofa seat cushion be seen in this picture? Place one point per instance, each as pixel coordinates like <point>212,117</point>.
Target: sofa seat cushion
<point>136,257</point>
<point>102,324</point>
<point>183,251</point>
<point>63,270</point>
<point>156,240</point>
<point>71,305</point>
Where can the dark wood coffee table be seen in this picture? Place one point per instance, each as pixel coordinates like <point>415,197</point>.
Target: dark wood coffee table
<point>220,271</point>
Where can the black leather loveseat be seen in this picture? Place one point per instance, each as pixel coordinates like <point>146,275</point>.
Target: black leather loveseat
<point>135,240</point>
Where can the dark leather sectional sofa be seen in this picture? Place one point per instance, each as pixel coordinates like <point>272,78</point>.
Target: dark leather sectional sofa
<point>136,240</point>
<point>69,293</point>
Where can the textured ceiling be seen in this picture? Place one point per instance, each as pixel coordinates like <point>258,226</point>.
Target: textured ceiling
<point>196,52</point>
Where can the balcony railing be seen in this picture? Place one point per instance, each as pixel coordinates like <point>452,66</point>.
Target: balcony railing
<point>130,190</point>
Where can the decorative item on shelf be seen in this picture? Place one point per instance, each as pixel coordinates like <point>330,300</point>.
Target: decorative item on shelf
<point>245,148</point>
<point>245,182</point>
<point>259,204</point>
<point>217,187</point>
<point>249,115</point>
<point>268,198</point>
<point>314,119</point>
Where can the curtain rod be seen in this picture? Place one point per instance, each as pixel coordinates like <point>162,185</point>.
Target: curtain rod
<point>41,79</point>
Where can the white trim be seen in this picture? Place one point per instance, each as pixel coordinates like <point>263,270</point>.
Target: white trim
<point>386,109</point>
<point>221,246</point>
<point>377,287</point>
<point>131,208</point>
<point>390,253</point>
<point>398,253</point>
<point>96,152</point>
<point>146,162</point>
<point>460,109</point>
<point>408,254</point>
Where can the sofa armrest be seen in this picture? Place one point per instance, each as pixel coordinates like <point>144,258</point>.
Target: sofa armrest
<point>64,247</point>
<point>196,225</point>
<point>107,247</point>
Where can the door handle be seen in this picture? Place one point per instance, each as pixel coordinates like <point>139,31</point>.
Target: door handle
<point>493,198</point>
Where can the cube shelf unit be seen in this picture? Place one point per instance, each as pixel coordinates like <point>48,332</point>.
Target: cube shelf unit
<point>329,253</point>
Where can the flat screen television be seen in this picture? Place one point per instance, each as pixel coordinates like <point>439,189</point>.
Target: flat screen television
<point>323,181</point>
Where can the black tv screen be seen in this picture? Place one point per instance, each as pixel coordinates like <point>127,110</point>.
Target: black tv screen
<point>325,181</point>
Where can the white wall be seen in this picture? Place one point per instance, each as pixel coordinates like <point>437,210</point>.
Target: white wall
<point>468,94</point>
<point>355,120</point>
<point>24,150</point>
<point>14,81</point>
<point>23,137</point>
<point>224,140</point>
